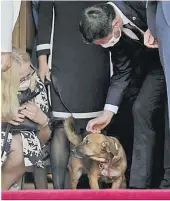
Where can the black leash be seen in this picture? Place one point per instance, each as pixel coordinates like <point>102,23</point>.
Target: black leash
<point>59,95</point>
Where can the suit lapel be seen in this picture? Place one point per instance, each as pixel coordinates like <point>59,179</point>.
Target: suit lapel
<point>131,10</point>
<point>128,39</point>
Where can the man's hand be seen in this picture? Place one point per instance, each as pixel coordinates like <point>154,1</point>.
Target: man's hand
<point>149,40</point>
<point>99,123</point>
<point>44,71</point>
<point>5,61</point>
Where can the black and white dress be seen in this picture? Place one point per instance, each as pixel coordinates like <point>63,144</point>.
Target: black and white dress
<point>32,150</point>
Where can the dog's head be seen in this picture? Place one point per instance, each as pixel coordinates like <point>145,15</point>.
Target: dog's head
<point>97,147</point>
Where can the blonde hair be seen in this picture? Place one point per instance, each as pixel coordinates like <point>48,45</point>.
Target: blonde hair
<point>10,82</point>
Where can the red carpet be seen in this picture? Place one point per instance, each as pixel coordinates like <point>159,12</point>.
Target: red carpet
<point>87,195</point>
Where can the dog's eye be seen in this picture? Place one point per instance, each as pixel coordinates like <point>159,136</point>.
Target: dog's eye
<point>87,142</point>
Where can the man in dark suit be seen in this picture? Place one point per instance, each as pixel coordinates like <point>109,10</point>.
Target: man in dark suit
<point>119,26</point>
<point>158,36</point>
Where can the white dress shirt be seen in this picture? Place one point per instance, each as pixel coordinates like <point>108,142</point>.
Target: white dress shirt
<point>128,32</point>
<point>9,14</point>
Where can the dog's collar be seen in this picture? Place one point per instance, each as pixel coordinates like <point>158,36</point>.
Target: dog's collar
<point>101,167</point>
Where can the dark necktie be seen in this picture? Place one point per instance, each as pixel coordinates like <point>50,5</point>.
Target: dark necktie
<point>135,30</point>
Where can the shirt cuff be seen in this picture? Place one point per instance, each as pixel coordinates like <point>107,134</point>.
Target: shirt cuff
<point>111,108</point>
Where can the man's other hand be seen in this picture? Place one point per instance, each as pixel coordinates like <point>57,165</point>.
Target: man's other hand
<point>149,40</point>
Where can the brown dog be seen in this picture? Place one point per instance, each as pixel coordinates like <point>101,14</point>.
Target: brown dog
<point>98,156</point>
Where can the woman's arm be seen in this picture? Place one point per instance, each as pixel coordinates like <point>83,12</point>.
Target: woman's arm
<point>45,132</point>
<point>7,25</point>
<point>9,15</point>
<point>45,18</point>
<point>38,111</point>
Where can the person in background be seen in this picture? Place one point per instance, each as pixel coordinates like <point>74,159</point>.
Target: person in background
<point>79,75</point>
<point>119,26</point>
<point>22,148</point>
<point>158,36</point>
<point>9,14</point>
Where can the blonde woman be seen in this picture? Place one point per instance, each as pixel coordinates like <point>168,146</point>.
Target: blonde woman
<point>22,149</point>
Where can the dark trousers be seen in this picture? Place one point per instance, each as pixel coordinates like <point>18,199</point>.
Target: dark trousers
<point>121,127</point>
<point>139,123</point>
<point>167,144</point>
<point>160,28</point>
<point>148,117</point>
<point>165,183</point>
<point>59,157</point>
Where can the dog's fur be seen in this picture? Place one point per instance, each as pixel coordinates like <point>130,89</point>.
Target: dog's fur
<point>98,156</point>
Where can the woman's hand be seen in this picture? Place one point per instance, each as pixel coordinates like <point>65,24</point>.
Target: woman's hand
<point>34,113</point>
<point>19,118</point>
<point>43,70</point>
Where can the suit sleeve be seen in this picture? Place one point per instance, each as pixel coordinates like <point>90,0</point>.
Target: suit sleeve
<point>119,80</point>
<point>45,18</point>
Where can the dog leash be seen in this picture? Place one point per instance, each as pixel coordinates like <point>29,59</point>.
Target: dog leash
<point>58,92</point>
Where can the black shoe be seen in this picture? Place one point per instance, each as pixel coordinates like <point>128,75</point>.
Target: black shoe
<point>165,183</point>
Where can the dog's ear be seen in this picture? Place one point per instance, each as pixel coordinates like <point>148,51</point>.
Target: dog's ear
<point>85,133</point>
<point>105,146</point>
<point>110,146</point>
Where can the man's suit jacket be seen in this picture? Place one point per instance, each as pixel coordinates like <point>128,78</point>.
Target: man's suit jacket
<point>130,58</point>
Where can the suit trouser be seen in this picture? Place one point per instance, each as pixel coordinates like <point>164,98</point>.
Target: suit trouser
<point>167,142</point>
<point>163,36</point>
<point>146,113</point>
<point>161,30</point>
<point>121,127</point>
